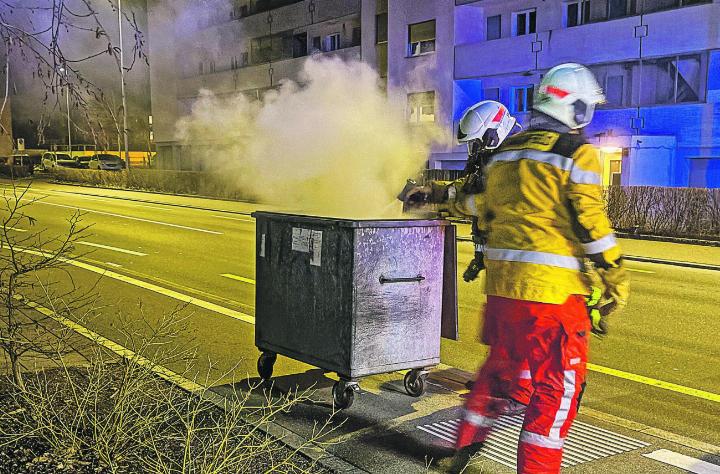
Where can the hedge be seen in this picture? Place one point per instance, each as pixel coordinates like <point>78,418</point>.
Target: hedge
<point>164,181</point>
<point>671,212</point>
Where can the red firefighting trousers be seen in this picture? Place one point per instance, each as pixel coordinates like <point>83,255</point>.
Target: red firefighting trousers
<point>553,339</point>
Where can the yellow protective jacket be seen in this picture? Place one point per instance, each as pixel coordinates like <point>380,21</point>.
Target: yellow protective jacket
<point>543,213</point>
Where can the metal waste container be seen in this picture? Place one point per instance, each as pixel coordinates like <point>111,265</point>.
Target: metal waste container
<point>355,297</point>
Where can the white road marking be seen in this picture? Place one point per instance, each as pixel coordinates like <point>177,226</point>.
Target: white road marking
<point>238,278</point>
<point>116,265</point>
<point>638,270</point>
<point>15,229</point>
<point>151,287</point>
<point>247,219</point>
<point>683,462</point>
<point>163,372</point>
<point>150,221</point>
<point>114,249</point>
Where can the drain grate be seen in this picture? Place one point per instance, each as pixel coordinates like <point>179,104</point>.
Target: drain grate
<point>585,443</point>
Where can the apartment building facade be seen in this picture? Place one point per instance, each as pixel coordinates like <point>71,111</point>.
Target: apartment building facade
<point>243,46</point>
<point>658,61</point>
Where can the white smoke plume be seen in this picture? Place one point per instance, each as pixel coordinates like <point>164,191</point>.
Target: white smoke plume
<point>333,144</point>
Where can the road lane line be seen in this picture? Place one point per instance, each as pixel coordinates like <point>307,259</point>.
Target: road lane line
<point>114,249</point>
<point>681,461</point>
<point>238,278</point>
<point>638,270</point>
<point>151,287</point>
<point>234,218</point>
<point>693,392</point>
<point>178,226</point>
<point>166,374</point>
<point>116,265</point>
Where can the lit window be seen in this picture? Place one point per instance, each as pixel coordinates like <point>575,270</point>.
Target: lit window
<point>421,107</point>
<point>522,98</point>
<point>494,27</point>
<point>524,22</point>
<point>332,42</point>
<point>577,13</point>
<point>421,38</point>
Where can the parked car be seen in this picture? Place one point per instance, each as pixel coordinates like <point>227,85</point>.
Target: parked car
<point>104,161</point>
<point>18,165</point>
<point>52,160</point>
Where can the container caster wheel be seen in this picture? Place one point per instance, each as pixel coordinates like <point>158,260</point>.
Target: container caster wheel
<point>343,395</point>
<point>265,365</point>
<point>415,382</point>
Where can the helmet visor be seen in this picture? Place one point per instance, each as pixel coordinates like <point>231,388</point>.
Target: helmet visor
<point>583,112</point>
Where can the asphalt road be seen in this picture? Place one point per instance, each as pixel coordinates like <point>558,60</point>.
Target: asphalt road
<point>668,332</point>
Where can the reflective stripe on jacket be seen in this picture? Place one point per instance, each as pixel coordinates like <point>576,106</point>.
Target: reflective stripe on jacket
<point>543,211</point>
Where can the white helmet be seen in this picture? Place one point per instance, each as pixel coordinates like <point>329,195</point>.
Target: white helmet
<point>487,121</point>
<point>569,93</point>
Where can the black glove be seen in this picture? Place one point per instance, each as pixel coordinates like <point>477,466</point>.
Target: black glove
<point>477,265</point>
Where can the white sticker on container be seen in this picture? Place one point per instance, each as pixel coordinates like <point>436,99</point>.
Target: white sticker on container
<point>316,246</point>
<point>262,245</point>
<point>301,239</point>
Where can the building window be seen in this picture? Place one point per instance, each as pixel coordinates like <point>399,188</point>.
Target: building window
<point>356,36</point>
<point>617,9</point>
<point>522,98</point>
<point>494,27</point>
<point>672,80</point>
<point>381,28</point>
<point>524,22</point>
<point>577,13</point>
<point>332,42</point>
<point>212,66</point>
<point>616,80</point>
<point>492,93</point>
<point>615,90</point>
<point>234,63</point>
<point>421,38</point>
<point>317,43</point>
<point>650,6</point>
<point>421,107</point>
<point>271,48</point>
<point>300,48</point>
<point>201,68</point>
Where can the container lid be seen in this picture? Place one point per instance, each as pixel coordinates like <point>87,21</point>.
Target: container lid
<point>356,223</point>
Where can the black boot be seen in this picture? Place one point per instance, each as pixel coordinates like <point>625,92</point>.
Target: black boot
<point>462,458</point>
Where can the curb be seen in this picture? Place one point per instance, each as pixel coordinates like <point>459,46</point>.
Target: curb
<point>292,440</point>
<point>676,263</point>
<point>659,261</point>
<point>148,201</point>
<point>674,240</point>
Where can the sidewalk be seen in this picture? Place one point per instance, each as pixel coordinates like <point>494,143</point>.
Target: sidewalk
<point>386,431</point>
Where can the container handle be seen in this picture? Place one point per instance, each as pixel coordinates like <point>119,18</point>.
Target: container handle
<point>384,280</point>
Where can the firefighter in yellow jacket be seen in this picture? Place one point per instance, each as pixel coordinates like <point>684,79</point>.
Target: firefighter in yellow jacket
<point>543,213</point>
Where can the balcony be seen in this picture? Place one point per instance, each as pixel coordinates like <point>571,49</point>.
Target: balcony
<point>252,77</point>
<point>678,31</point>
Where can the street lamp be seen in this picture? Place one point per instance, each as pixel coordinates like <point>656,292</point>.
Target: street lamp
<point>67,102</point>
<point>122,85</point>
